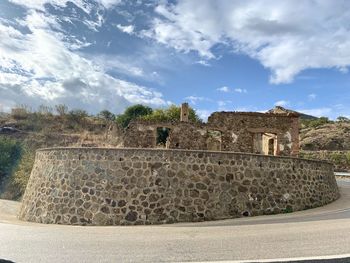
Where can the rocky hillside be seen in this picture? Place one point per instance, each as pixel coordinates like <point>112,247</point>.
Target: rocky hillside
<point>330,137</point>
<point>329,141</point>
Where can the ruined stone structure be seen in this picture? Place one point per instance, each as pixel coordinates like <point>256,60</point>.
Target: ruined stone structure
<point>97,186</point>
<point>184,112</point>
<point>250,132</point>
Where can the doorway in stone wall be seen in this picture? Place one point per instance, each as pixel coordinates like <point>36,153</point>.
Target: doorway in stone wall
<point>269,143</point>
<point>162,137</point>
<point>265,143</point>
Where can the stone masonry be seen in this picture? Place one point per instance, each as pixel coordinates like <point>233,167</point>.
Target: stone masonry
<point>249,132</point>
<point>97,186</point>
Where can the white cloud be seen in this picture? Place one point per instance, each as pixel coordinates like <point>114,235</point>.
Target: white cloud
<point>126,29</point>
<point>283,103</point>
<point>224,89</point>
<point>203,114</point>
<point>120,65</point>
<point>240,90</point>
<point>224,105</point>
<point>285,36</point>
<point>194,99</point>
<point>203,63</point>
<point>41,67</point>
<point>312,96</point>
<point>84,5</point>
<point>40,4</point>
<point>227,90</point>
<point>110,3</point>
<point>221,103</point>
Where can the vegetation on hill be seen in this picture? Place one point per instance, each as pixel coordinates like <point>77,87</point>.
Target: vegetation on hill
<point>132,113</point>
<point>60,126</point>
<point>314,123</point>
<point>142,112</point>
<point>171,114</point>
<point>10,152</point>
<point>28,130</point>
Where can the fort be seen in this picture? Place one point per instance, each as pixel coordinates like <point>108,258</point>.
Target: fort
<point>237,164</point>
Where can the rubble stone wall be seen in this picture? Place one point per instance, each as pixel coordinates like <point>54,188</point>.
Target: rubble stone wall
<point>240,127</point>
<point>236,129</point>
<point>98,186</point>
<point>182,135</point>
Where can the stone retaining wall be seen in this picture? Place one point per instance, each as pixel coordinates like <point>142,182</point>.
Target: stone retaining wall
<point>96,186</point>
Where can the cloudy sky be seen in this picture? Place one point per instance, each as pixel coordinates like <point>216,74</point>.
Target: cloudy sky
<point>217,55</point>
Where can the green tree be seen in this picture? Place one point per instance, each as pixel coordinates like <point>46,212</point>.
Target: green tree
<point>342,119</point>
<point>77,116</point>
<point>171,114</point>
<point>132,113</point>
<point>106,115</point>
<point>316,122</point>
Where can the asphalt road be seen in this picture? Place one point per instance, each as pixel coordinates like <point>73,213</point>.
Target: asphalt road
<point>316,232</point>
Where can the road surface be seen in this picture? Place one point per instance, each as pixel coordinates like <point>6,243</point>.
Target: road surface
<point>323,231</point>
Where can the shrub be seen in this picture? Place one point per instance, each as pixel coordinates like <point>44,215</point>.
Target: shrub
<point>314,123</point>
<point>20,113</point>
<point>10,153</point>
<point>61,109</point>
<point>338,158</point>
<point>342,119</point>
<point>132,113</point>
<point>45,110</point>
<point>77,117</point>
<point>171,114</point>
<point>106,115</point>
<point>21,174</point>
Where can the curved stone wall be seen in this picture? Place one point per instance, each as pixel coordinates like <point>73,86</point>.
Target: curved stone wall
<point>96,186</point>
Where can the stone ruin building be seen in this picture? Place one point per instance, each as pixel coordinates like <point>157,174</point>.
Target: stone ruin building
<point>273,133</point>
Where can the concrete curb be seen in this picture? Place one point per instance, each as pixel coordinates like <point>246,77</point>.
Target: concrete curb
<point>317,259</point>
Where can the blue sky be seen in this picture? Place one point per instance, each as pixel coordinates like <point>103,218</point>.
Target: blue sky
<point>216,55</point>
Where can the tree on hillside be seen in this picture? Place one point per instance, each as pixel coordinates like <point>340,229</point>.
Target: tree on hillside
<point>132,113</point>
<point>61,109</point>
<point>146,113</point>
<point>171,114</point>
<point>106,115</point>
<point>342,119</point>
<point>314,123</point>
<point>77,116</point>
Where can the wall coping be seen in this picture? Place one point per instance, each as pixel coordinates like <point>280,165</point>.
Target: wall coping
<point>183,150</point>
